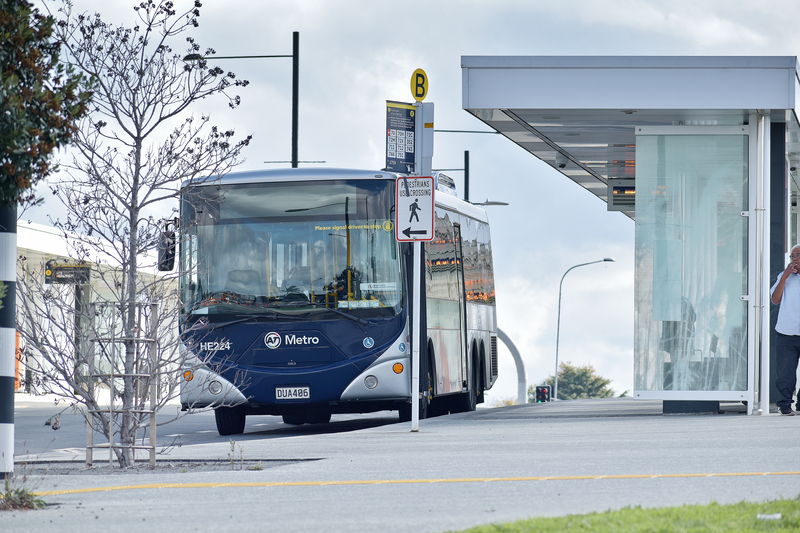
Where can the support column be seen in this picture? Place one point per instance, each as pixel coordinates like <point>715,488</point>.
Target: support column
<point>763,213</point>
<point>8,334</point>
<point>779,245</point>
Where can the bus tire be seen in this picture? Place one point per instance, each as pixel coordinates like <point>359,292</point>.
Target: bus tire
<point>424,401</point>
<point>230,420</point>
<point>318,417</point>
<point>405,412</point>
<point>294,419</point>
<point>468,401</point>
<point>481,382</point>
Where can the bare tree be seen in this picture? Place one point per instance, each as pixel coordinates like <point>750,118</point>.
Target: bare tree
<point>130,156</point>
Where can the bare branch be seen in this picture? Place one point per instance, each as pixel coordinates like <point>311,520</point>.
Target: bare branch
<point>124,167</point>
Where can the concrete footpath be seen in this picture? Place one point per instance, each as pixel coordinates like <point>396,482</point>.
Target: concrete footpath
<point>491,466</point>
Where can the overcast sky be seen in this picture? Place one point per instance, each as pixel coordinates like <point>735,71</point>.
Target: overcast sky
<point>355,55</point>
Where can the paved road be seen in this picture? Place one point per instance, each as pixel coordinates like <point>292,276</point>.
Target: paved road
<point>458,471</point>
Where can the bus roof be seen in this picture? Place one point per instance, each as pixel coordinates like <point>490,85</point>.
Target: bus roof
<point>321,174</point>
<point>291,174</point>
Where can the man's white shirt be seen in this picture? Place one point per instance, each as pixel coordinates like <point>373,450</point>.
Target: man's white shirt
<point>789,312</point>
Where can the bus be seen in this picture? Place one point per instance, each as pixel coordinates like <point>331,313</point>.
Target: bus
<point>296,299</point>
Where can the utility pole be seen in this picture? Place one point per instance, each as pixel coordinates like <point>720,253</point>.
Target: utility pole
<point>8,331</point>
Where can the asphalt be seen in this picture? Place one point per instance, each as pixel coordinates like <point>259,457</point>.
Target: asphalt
<point>490,466</point>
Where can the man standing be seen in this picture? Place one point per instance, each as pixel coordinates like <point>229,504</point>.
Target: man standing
<point>786,293</point>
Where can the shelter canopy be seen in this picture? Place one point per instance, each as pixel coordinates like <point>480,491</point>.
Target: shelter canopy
<point>579,114</point>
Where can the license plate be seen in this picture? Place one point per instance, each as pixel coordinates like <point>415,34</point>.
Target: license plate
<point>292,393</point>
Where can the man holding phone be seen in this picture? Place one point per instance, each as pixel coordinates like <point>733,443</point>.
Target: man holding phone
<point>786,293</point>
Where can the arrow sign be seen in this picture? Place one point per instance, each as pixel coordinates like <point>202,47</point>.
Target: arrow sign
<point>414,209</point>
<point>408,233</point>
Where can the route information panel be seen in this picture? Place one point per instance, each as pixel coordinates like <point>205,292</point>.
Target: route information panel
<point>400,139</point>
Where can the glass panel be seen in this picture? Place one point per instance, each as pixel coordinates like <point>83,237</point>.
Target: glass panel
<point>691,263</point>
<point>444,300</point>
<point>288,248</point>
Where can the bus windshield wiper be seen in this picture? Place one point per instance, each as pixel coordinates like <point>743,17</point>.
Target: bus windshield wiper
<point>361,321</point>
<point>212,326</point>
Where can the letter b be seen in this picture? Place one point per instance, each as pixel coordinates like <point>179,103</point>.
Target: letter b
<point>419,85</point>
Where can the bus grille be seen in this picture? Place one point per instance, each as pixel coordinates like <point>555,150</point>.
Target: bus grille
<point>494,356</point>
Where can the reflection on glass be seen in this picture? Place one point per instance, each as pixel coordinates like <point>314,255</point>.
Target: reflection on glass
<point>281,247</point>
<point>691,263</point>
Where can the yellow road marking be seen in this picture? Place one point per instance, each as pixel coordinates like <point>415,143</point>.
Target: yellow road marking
<point>399,481</point>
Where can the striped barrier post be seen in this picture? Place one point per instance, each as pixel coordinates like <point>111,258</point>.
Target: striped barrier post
<point>8,331</point>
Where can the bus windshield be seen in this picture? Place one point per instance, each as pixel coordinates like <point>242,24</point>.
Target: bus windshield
<point>308,249</point>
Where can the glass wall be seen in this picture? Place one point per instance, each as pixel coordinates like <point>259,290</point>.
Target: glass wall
<point>691,263</point>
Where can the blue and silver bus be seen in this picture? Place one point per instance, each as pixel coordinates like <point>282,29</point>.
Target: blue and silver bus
<point>296,299</point>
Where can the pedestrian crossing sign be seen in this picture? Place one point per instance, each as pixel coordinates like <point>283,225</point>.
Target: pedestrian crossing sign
<point>414,209</point>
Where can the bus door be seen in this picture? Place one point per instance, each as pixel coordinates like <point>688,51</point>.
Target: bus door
<point>462,304</point>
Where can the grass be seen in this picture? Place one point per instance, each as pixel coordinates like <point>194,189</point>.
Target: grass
<point>739,517</point>
<point>19,498</point>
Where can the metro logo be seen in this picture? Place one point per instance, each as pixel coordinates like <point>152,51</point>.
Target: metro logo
<point>294,339</point>
<point>273,340</point>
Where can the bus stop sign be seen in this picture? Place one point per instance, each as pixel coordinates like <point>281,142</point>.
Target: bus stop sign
<point>414,209</point>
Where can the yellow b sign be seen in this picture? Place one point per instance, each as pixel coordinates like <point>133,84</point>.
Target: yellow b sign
<point>419,85</point>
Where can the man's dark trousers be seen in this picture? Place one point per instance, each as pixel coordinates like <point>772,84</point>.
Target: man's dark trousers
<point>787,351</point>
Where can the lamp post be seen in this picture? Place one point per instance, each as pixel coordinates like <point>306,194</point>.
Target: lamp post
<point>295,81</point>
<point>558,327</point>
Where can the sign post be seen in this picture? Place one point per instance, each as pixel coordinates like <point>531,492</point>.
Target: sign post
<point>414,203</point>
<point>409,151</point>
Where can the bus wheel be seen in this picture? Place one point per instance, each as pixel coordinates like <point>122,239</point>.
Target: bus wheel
<point>479,385</point>
<point>468,401</point>
<point>230,420</point>
<point>318,417</point>
<point>424,401</point>
<point>405,412</point>
<point>294,419</point>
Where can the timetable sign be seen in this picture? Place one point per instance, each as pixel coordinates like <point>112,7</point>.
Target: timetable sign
<point>414,209</point>
<point>400,137</point>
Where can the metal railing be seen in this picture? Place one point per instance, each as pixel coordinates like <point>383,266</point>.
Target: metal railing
<point>145,369</point>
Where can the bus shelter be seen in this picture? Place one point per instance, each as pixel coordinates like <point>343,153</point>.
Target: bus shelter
<point>701,152</point>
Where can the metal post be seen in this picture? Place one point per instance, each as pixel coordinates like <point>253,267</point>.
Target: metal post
<point>762,274</point>
<point>89,439</point>
<point>558,326</point>
<point>522,386</point>
<point>8,336</point>
<point>415,340</point>
<point>295,92</point>
<point>466,175</point>
<point>90,377</point>
<point>153,334</point>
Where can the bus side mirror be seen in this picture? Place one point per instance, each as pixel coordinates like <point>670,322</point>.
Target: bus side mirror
<point>166,251</point>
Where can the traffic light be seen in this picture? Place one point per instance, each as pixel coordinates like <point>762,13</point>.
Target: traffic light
<point>542,393</point>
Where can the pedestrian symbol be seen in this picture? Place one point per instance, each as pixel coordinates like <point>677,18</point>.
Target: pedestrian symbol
<point>414,208</point>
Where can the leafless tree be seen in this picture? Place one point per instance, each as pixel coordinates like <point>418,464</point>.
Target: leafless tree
<point>130,155</point>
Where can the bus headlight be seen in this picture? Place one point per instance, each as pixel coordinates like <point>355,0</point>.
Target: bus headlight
<point>215,387</point>
<point>370,382</point>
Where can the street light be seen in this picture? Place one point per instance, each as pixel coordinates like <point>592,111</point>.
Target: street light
<point>558,327</point>
<point>295,80</point>
<point>490,202</point>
